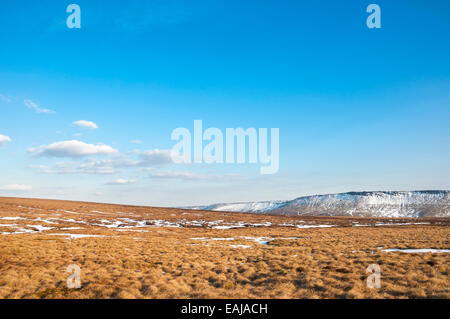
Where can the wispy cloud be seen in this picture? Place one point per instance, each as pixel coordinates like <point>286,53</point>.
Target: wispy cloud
<point>34,106</point>
<point>100,167</point>
<point>149,160</point>
<point>86,124</point>
<point>72,149</point>
<point>155,157</point>
<point>184,175</point>
<point>15,188</point>
<point>136,142</point>
<point>122,181</point>
<point>4,139</point>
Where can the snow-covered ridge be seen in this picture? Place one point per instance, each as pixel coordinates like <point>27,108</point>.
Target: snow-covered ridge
<point>373,204</point>
<point>253,207</point>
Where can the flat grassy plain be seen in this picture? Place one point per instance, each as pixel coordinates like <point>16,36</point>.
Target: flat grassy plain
<point>145,252</point>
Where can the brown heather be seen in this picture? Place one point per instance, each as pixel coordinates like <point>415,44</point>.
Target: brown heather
<point>166,262</point>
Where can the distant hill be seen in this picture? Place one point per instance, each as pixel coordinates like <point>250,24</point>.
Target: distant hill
<point>434,203</point>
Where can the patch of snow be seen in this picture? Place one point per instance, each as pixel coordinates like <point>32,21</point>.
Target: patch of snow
<point>414,251</point>
<point>228,227</point>
<point>67,211</point>
<point>40,228</point>
<point>133,230</point>
<point>39,219</point>
<point>260,240</point>
<point>315,226</point>
<point>8,225</point>
<point>76,236</point>
<point>241,246</point>
<point>206,238</point>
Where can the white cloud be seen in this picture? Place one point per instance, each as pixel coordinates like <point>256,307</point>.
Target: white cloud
<point>136,142</point>
<point>4,139</point>
<point>121,181</point>
<point>155,157</point>
<point>147,160</point>
<point>32,105</point>
<point>15,187</point>
<point>89,166</point>
<point>86,124</point>
<point>72,148</point>
<point>100,167</point>
<point>97,167</point>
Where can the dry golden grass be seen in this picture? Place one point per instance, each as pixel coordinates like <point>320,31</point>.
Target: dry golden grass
<point>171,262</point>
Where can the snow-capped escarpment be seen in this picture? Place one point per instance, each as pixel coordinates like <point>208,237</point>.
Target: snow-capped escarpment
<point>250,207</point>
<point>369,204</point>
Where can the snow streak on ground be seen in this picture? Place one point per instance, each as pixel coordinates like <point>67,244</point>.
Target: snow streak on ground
<point>416,251</point>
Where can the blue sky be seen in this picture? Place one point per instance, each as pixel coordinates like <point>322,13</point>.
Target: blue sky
<point>357,108</point>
